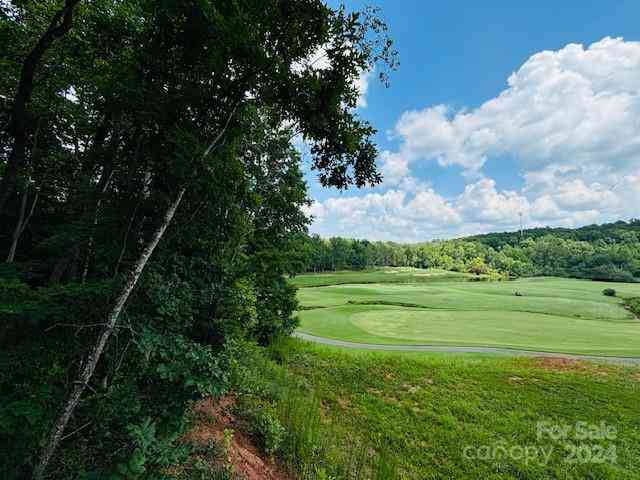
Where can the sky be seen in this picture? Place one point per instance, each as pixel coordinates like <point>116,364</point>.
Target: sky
<point>500,112</point>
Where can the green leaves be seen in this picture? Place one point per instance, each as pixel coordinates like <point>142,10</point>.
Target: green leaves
<point>177,360</point>
<point>152,453</point>
<point>123,110</point>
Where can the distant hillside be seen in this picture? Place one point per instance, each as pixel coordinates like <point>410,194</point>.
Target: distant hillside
<point>608,252</point>
<point>617,232</point>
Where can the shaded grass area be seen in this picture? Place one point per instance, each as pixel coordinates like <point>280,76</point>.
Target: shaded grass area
<point>431,412</point>
<point>273,425</point>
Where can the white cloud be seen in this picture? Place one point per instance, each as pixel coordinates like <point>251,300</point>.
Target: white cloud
<point>574,105</point>
<point>394,167</point>
<point>390,215</point>
<point>576,195</point>
<point>316,211</point>
<point>481,202</point>
<point>569,120</point>
<point>362,84</point>
<point>428,206</point>
<point>422,214</point>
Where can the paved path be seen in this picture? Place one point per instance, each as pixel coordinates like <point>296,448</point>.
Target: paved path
<point>455,349</point>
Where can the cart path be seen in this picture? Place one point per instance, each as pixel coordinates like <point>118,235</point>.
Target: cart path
<point>466,349</point>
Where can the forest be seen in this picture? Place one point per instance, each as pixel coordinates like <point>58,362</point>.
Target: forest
<point>609,252</point>
<point>149,190</point>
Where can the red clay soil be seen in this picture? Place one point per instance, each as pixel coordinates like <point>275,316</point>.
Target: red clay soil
<point>242,454</point>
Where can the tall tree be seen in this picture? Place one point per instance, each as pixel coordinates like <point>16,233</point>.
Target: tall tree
<point>19,121</point>
<point>205,77</point>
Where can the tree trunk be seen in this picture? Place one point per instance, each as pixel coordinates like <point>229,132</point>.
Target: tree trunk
<point>22,223</point>
<point>83,194</point>
<point>86,371</point>
<point>18,229</point>
<point>103,185</point>
<point>59,26</point>
<point>144,196</point>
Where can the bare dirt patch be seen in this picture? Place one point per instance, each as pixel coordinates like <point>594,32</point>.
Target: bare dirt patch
<point>559,364</point>
<point>411,388</point>
<point>217,423</point>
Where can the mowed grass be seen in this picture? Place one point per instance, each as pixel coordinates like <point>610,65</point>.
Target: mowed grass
<point>550,314</point>
<point>471,417</point>
<point>378,275</point>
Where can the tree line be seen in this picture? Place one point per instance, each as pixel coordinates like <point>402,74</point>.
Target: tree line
<point>609,252</point>
<point>149,191</point>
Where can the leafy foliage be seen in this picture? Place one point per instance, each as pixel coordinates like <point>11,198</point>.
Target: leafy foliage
<point>262,421</point>
<point>138,107</point>
<point>633,304</point>
<point>608,252</point>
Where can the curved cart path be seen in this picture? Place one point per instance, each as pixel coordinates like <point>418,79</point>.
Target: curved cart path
<point>467,349</point>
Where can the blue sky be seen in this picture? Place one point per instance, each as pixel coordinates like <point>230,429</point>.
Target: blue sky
<point>464,152</point>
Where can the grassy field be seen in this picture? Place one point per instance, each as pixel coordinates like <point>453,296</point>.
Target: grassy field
<point>469,417</point>
<point>408,306</point>
<point>381,275</point>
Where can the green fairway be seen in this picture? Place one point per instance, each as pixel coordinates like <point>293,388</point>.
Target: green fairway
<point>549,314</point>
<point>380,275</point>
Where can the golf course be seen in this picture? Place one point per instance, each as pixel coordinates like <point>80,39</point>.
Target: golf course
<point>404,306</point>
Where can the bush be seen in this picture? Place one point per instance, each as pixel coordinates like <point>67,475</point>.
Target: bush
<point>261,420</point>
<point>152,453</point>
<point>609,292</point>
<point>633,304</point>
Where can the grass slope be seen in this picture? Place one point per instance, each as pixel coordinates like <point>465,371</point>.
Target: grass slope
<point>553,314</point>
<point>426,409</point>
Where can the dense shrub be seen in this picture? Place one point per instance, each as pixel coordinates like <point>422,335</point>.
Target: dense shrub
<point>153,368</point>
<point>609,292</point>
<point>633,304</point>
<point>261,420</point>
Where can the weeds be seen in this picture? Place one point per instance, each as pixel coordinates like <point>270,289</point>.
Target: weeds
<point>287,418</point>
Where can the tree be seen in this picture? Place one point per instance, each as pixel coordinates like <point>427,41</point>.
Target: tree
<point>477,266</point>
<point>187,87</point>
<point>19,119</point>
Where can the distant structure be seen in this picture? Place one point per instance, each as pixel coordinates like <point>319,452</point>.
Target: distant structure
<point>521,231</point>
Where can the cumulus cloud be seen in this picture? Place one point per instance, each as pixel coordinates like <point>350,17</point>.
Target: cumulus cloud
<point>394,214</point>
<point>428,206</point>
<point>481,202</point>
<point>569,120</point>
<point>424,214</point>
<point>362,85</point>
<point>394,167</point>
<point>315,211</point>
<point>573,105</point>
